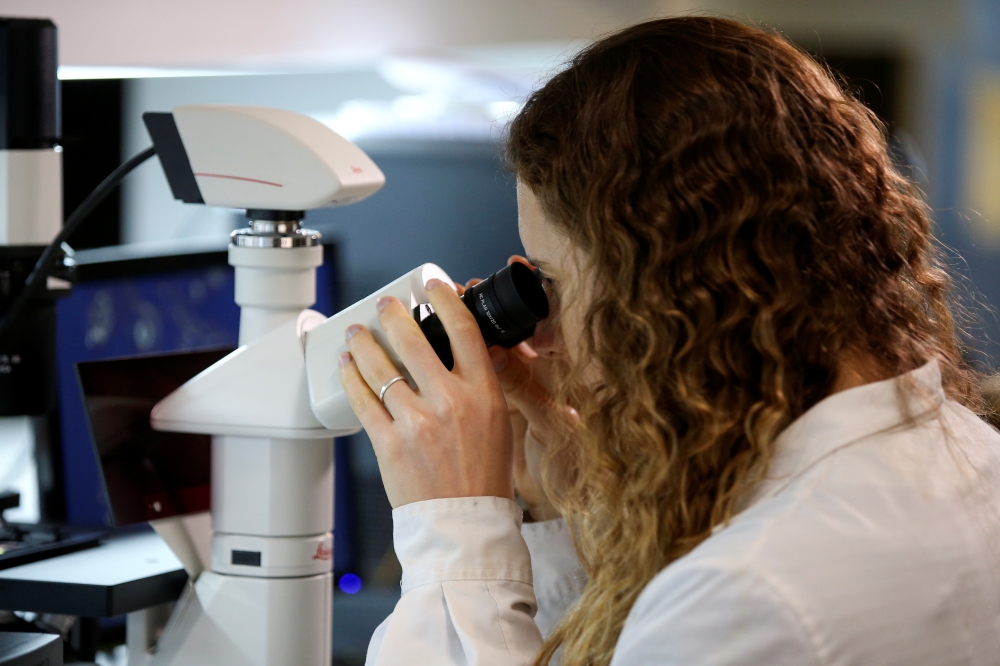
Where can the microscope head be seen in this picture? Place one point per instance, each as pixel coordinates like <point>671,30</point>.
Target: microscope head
<point>275,164</point>
<point>260,159</point>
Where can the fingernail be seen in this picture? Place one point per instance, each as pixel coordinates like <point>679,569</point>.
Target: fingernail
<point>382,302</point>
<point>351,331</point>
<point>433,283</point>
<point>345,359</point>
<point>498,355</point>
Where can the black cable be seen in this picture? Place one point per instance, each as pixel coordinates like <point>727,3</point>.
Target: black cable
<point>43,267</point>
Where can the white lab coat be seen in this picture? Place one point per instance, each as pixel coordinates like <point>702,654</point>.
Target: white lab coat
<point>875,540</point>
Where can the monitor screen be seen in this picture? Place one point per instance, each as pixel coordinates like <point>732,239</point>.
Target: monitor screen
<point>147,474</point>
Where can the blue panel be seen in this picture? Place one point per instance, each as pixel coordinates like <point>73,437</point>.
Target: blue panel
<point>344,510</point>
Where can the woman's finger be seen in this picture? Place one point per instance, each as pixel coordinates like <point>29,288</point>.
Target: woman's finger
<point>516,258</point>
<point>524,351</point>
<point>372,414</point>
<point>409,342</point>
<point>467,344</point>
<point>374,365</point>
<point>468,285</point>
<point>529,397</point>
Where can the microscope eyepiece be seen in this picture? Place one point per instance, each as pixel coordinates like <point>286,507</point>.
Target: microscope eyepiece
<point>506,305</point>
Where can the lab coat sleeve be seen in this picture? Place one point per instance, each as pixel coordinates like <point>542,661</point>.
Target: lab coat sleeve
<point>467,596</point>
<point>714,614</point>
<point>558,577</point>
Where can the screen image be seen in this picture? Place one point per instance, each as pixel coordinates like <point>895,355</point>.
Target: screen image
<point>147,474</point>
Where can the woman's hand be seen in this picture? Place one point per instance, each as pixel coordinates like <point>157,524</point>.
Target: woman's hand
<point>526,381</point>
<point>452,436</point>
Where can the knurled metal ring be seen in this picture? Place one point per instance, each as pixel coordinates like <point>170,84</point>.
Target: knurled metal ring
<point>299,238</point>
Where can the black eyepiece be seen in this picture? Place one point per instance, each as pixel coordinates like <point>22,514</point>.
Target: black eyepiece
<point>506,305</point>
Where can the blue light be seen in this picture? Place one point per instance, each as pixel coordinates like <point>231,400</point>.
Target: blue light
<point>350,583</point>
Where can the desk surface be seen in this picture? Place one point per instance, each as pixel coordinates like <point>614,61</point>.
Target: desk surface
<point>123,574</point>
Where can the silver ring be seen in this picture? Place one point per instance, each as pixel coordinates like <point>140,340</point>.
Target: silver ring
<point>385,387</point>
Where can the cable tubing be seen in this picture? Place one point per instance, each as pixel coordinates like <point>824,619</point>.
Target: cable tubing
<point>46,262</point>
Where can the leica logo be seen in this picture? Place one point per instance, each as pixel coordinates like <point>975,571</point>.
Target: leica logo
<point>323,552</point>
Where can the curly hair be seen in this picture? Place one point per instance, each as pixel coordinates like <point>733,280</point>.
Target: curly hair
<point>745,233</point>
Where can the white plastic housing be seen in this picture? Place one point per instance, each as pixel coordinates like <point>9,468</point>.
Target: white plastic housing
<point>225,620</point>
<point>30,196</point>
<point>286,383</point>
<point>273,285</point>
<point>324,343</point>
<point>256,157</point>
<point>260,389</point>
<point>272,487</point>
<point>257,391</point>
<point>279,558</point>
<point>189,537</point>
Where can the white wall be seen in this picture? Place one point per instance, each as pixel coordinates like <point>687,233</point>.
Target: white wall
<point>515,38</point>
<point>273,34</point>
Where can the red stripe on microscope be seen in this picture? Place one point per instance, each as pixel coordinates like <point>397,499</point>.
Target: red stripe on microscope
<point>249,180</point>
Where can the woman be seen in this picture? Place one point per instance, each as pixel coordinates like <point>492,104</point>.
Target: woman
<point>772,454</point>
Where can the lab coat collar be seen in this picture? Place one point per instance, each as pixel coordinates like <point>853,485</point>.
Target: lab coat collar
<point>847,417</point>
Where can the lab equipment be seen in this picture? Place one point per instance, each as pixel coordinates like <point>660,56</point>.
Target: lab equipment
<point>261,590</point>
<point>148,475</point>
<point>262,584</point>
<point>23,544</point>
<point>30,217</point>
<point>30,163</point>
<point>506,305</point>
<point>125,573</point>
<point>271,386</point>
<point>24,649</point>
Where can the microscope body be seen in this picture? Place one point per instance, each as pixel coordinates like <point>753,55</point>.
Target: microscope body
<point>268,585</point>
<point>261,593</point>
<point>266,596</point>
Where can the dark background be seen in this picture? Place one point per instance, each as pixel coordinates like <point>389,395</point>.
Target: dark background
<point>92,146</point>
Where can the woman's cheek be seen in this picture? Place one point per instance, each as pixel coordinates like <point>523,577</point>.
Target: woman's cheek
<point>571,329</point>
<point>545,339</point>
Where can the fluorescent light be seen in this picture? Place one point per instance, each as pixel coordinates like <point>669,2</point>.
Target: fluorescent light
<point>425,107</point>
<point>70,72</point>
<point>427,116</point>
<point>503,112</point>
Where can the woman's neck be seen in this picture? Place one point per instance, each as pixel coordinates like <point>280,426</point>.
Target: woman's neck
<point>855,370</point>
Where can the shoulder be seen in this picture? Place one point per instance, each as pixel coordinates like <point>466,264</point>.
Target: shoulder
<point>886,546</point>
<point>724,603</point>
<point>714,611</point>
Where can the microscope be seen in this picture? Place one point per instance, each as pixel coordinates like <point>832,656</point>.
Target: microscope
<point>261,583</point>
<point>260,565</point>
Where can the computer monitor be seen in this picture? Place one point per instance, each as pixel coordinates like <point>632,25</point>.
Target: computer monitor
<point>146,474</point>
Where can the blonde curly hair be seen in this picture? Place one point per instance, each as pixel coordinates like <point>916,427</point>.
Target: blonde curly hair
<point>745,232</point>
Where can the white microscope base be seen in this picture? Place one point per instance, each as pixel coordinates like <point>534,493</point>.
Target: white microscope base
<point>241,621</point>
